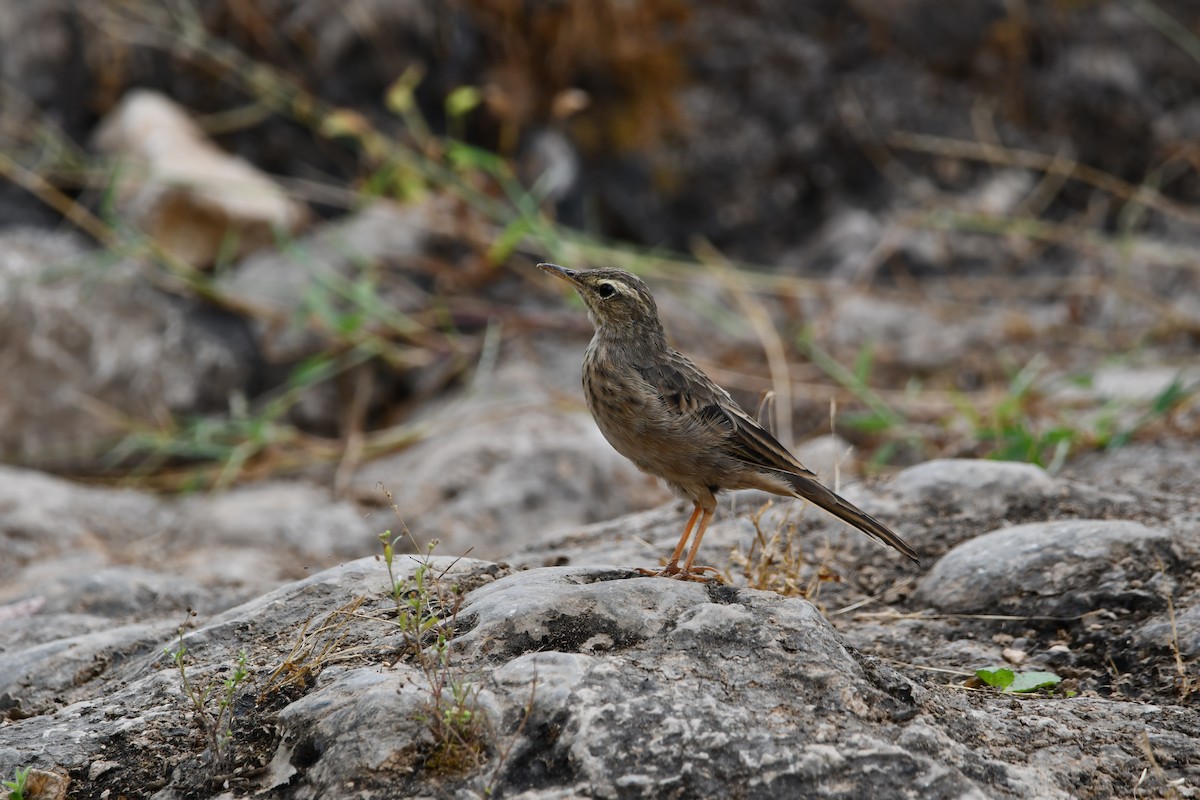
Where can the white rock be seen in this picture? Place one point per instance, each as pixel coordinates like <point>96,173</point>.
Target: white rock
<point>184,191</point>
<point>1013,655</point>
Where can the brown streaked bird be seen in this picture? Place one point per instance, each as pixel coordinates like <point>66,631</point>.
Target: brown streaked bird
<point>671,420</point>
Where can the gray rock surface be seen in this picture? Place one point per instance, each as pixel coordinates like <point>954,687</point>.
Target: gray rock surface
<point>1052,569</point>
<point>43,517</point>
<point>387,239</point>
<point>47,676</point>
<point>830,456</point>
<point>1173,630</point>
<point>105,554</point>
<point>497,482</point>
<point>571,670</point>
<point>956,485</point>
<point>95,344</point>
<point>912,340</point>
<point>568,670</point>
<point>1168,467</point>
<point>506,463</point>
<point>294,517</point>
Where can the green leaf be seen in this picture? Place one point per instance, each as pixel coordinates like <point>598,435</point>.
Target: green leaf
<point>1168,397</point>
<point>1032,681</point>
<point>401,95</point>
<point>1017,682</point>
<point>312,370</point>
<point>464,156</point>
<point>863,362</point>
<point>508,240</point>
<point>998,678</point>
<point>462,100</point>
<point>868,422</point>
<point>884,455</point>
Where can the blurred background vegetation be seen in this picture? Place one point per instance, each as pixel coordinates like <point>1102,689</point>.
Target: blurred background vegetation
<point>972,228</point>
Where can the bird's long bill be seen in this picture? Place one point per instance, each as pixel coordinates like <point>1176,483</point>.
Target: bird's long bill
<point>559,272</point>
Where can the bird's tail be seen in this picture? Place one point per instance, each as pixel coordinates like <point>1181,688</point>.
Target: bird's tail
<point>808,489</point>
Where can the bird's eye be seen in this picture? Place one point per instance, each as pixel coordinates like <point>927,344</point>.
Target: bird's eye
<point>606,290</point>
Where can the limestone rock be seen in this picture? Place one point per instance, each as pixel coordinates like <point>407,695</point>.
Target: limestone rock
<point>1181,633</point>
<point>569,671</point>
<point>971,485</point>
<point>182,190</point>
<point>387,237</point>
<point>95,343</point>
<point>497,482</point>
<point>1060,568</point>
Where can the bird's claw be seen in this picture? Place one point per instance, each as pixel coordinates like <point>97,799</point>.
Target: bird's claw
<point>673,571</point>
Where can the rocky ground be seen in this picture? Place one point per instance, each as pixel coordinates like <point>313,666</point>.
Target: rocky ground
<point>569,661</point>
<point>256,311</point>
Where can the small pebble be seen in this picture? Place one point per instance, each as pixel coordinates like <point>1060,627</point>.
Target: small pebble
<point>1014,656</point>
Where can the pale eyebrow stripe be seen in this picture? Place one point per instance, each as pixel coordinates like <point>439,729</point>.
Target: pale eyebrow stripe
<point>628,291</point>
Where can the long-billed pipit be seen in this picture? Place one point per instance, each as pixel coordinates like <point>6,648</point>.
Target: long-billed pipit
<point>671,420</point>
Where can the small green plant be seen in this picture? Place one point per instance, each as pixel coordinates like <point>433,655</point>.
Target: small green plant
<point>1162,405</point>
<point>880,416</point>
<point>19,783</point>
<point>1006,680</point>
<point>1012,430</point>
<point>215,724</point>
<point>426,614</point>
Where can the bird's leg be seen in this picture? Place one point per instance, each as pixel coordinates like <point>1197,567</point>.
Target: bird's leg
<point>687,565</point>
<point>673,566</point>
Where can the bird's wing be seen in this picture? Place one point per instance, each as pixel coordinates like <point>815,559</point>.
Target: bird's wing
<point>755,445</point>
<point>689,393</point>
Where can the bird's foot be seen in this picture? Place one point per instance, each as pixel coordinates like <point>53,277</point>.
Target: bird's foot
<point>674,571</point>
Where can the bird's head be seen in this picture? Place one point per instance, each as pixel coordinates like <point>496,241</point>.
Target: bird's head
<point>616,300</point>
